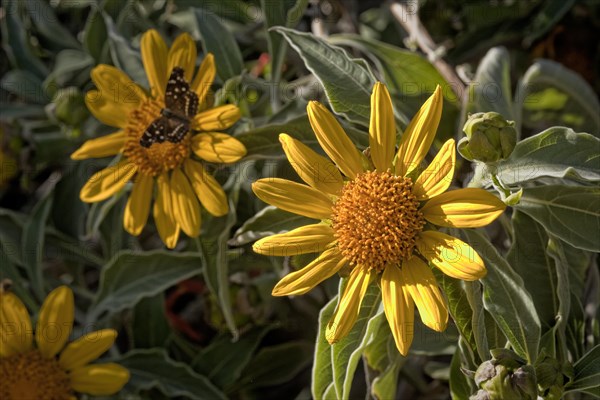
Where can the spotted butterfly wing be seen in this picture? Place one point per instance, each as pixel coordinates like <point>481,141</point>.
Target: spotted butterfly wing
<point>181,104</point>
<point>156,132</point>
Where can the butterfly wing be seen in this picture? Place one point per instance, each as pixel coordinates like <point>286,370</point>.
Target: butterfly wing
<point>180,99</point>
<point>176,130</point>
<point>156,132</point>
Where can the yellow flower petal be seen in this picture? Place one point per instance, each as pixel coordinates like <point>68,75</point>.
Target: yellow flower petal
<point>138,204</point>
<point>117,87</point>
<point>154,56</point>
<point>419,134</point>
<point>106,110</point>
<point>305,239</point>
<point>382,129</point>
<point>217,118</point>
<point>463,208</point>
<point>293,197</point>
<point>420,283</point>
<point>299,282</point>
<point>182,54</point>
<point>209,191</point>
<point>399,308</point>
<point>204,78</point>
<point>349,305</point>
<point>15,326</point>
<point>55,322</point>
<point>104,146</point>
<point>217,147</point>
<point>334,140</point>
<point>314,169</point>
<point>185,204</point>
<point>107,182</point>
<point>436,178</point>
<point>99,379</point>
<point>164,217</point>
<point>87,348</point>
<point>453,256</point>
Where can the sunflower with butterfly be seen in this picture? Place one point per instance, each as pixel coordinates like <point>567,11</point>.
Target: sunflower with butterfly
<point>160,130</point>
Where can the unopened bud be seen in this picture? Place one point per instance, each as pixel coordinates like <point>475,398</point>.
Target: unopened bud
<point>490,138</point>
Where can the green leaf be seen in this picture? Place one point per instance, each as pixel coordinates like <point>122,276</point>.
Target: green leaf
<point>347,82</point>
<point>131,276</point>
<point>263,142</point>
<point>552,93</point>
<point>152,368</point>
<point>460,309</point>
<point>149,325</point>
<point>406,72</point>
<point>95,35</point>
<point>460,386</point>
<point>587,371</point>
<point>278,364</point>
<point>571,213</point>
<point>67,64</point>
<point>33,243</point>
<point>15,41</point>
<point>506,300</point>
<point>385,385</point>
<point>12,110</point>
<point>557,152</point>
<point>490,90</point>
<point>528,257</point>
<point>217,40</point>
<point>49,26</point>
<point>223,361</point>
<point>124,56</point>
<point>322,371</point>
<point>25,85</point>
<point>215,263</point>
<point>348,351</point>
<point>268,221</point>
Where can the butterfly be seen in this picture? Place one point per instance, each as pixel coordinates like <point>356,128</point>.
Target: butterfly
<point>181,104</point>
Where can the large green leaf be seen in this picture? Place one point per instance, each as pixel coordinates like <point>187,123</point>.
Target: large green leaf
<point>348,351</point>
<point>550,93</point>
<point>460,385</point>
<point>322,372</point>
<point>217,40</point>
<point>153,368</point>
<point>490,90</point>
<point>131,276</point>
<point>277,364</point>
<point>215,262</point>
<point>557,152</point>
<point>49,26</point>
<point>587,371</point>
<point>571,213</point>
<point>268,221</point>
<point>505,298</point>
<point>124,55</point>
<point>223,360</point>
<point>528,257</point>
<point>347,82</point>
<point>33,243</point>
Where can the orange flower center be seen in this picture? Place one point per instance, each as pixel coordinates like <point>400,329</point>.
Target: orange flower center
<point>31,376</point>
<point>159,157</point>
<point>376,220</point>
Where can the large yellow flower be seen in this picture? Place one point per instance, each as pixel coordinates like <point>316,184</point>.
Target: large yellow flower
<point>52,370</point>
<point>378,217</point>
<point>180,180</point>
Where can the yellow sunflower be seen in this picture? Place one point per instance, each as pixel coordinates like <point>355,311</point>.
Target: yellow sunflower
<point>378,216</point>
<point>52,370</point>
<point>180,180</point>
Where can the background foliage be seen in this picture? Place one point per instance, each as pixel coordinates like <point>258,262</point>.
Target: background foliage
<point>199,322</point>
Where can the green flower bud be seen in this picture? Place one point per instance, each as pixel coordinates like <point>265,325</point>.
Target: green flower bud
<point>505,377</point>
<point>69,107</point>
<point>490,138</point>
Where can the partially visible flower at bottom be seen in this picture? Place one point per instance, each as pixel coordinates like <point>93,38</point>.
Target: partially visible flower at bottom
<point>377,216</point>
<point>49,369</point>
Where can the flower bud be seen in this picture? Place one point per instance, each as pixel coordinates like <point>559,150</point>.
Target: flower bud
<point>490,138</point>
<point>69,107</point>
<point>505,377</point>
